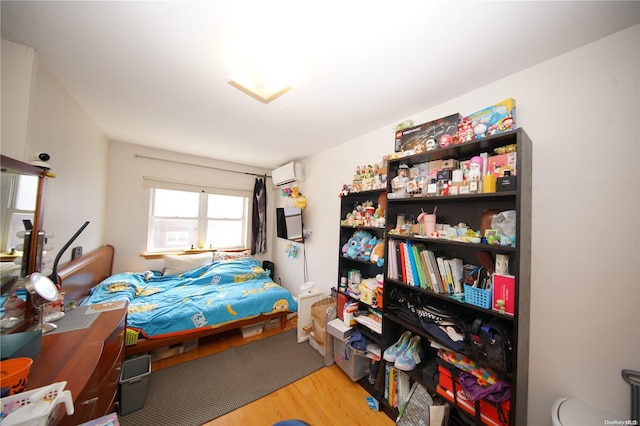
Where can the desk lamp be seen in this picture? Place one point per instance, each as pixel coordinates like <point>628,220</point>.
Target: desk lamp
<point>42,290</point>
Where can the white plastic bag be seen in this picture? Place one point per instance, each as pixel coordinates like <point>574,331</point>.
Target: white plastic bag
<point>505,223</point>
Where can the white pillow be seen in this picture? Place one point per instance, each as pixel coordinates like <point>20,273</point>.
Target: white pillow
<point>228,255</point>
<point>177,264</point>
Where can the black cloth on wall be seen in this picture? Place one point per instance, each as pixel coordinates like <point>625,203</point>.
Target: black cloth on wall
<point>259,217</point>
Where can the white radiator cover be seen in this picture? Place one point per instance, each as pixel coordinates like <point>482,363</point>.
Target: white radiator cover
<point>304,312</point>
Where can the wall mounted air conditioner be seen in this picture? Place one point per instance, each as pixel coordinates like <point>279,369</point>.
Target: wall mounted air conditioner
<point>289,173</point>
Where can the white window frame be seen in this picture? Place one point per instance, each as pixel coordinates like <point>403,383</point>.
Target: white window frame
<point>151,184</point>
<point>12,222</point>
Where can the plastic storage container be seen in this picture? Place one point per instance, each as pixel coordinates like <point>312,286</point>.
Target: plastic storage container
<point>477,296</point>
<point>352,362</point>
<point>134,379</point>
<point>252,330</point>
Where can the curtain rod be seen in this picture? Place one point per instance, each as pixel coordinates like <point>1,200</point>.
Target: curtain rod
<point>199,165</point>
<point>193,184</point>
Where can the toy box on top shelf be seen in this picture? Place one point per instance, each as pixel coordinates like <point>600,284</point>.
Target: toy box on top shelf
<point>428,136</point>
<point>498,118</point>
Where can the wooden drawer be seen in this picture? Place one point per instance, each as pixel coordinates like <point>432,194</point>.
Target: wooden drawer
<point>108,388</point>
<point>89,360</point>
<point>84,405</point>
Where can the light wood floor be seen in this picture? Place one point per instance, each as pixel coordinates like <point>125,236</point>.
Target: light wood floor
<point>326,397</point>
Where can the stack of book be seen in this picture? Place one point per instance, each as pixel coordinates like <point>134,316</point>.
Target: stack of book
<point>413,264</point>
<point>397,386</point>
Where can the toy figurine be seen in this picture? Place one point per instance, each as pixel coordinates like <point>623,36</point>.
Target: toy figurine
<point>445,140</point>
<point>475,168</point>
<point>465,130</point>
<point>507,124</point>
<point>399,183</point>
<point>480,130</point>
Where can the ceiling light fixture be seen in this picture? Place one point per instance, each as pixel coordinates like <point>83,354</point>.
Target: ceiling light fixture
<point>262,92</point>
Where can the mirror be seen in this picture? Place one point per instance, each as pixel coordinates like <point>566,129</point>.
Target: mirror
<point>21,195</point>
<point>289,223</point>
<point>38,285</point>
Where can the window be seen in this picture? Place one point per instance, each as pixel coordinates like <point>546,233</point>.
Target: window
<point>180,219</point>
<point>22,205</point>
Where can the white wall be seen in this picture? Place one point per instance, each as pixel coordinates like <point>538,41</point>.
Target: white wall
<point>291,271</point>
<point>581,111</point>
<point>128,200</point>
<point>47,119</point>
<point>17,66</point>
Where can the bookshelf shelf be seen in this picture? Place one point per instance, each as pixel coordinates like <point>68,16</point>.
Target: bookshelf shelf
<point>366,268</point>
<point>446,242</point>
<point>467,209</point>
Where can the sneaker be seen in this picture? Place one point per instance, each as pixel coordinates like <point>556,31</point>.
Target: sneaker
<point>411,357</point>
<point>393,351</point>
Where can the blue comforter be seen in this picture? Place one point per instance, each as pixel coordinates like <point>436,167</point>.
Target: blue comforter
<point>209,296</point>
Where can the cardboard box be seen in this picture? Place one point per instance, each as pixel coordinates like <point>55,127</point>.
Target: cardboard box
<point>507,183</point>
<point>427,136</point>
<point>326,349</point>
<point>337,328</point>
<point>435,166</point>
<point>498,118</point>
<point>449,164</point>
<point>497,164</point>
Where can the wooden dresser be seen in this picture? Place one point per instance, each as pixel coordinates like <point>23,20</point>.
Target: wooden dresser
<point>89,359</point>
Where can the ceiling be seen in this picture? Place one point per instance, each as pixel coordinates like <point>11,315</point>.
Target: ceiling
<point>156,73</point>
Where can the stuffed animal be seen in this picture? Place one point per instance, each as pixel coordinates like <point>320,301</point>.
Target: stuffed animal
<point>300,201</point>
<point>368,249</point>
<point>377,254</point>
<point>354,248</point>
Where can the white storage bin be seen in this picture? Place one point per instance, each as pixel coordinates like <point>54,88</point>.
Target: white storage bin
<point>252,330</point>
<point>352,362</point>
<point>37,407</point>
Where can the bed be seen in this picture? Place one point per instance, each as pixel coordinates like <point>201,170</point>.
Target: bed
<point>171,308</point>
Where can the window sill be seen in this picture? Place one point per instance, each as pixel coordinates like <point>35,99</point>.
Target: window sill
<point>160,255</point>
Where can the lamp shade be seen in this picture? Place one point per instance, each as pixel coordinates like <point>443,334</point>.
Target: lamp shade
<point>41,285</point>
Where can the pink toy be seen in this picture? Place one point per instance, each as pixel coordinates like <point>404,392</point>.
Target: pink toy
<point>475,168</point>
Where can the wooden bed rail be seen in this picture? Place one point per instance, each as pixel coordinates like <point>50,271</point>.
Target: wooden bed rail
<point>80,275</point>
<point>147,345</point>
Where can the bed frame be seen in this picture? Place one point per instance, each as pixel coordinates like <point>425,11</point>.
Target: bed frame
<point>78,276</point>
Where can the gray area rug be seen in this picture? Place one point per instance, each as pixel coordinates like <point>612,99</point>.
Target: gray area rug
<point>201,390</point>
